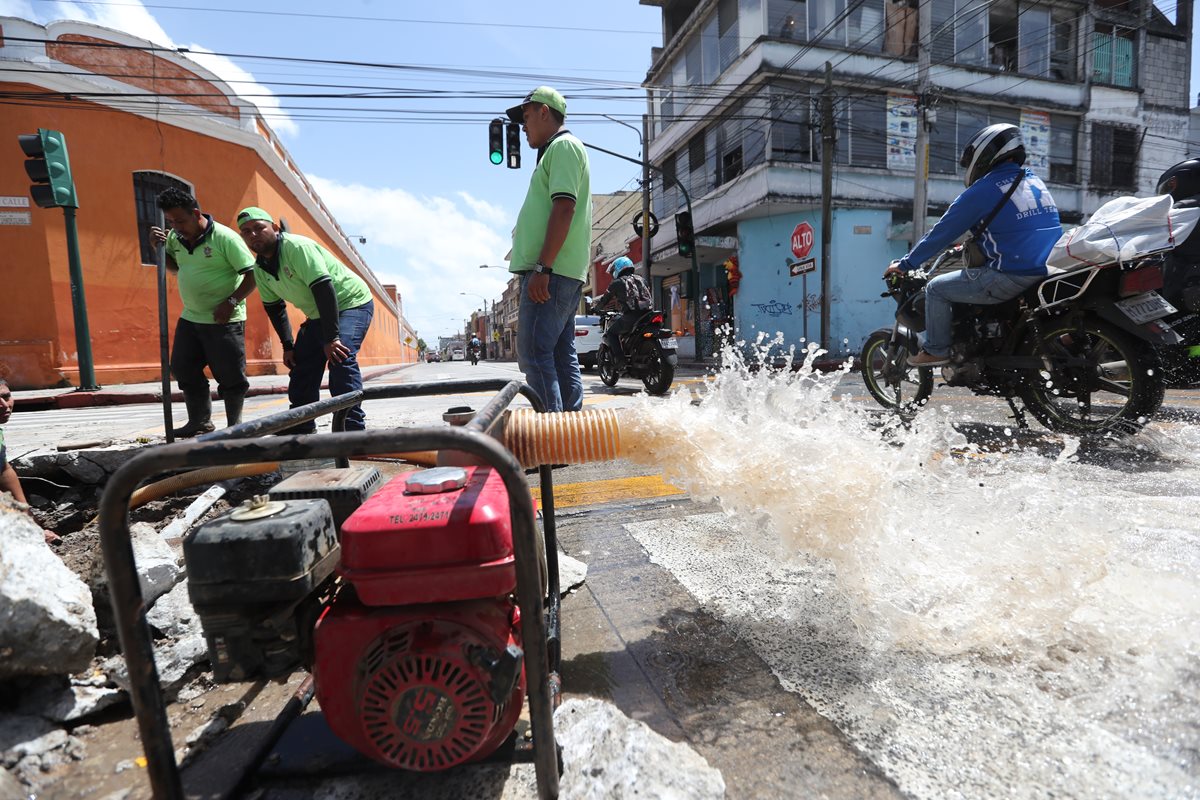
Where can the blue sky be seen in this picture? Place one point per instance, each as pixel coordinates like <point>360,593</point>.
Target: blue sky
<point>424,194</point>
<point>418,184</point>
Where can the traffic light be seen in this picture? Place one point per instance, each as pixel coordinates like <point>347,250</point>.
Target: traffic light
<point>685,237</point>
<point>496,141</point>
<point>49,168</point>
<point>513,136</point>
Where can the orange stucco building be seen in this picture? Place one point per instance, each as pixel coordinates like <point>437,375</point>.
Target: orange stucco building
<point>136,121</point>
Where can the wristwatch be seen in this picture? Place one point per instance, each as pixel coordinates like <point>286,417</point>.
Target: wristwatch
<point>540,268</point>
<point>231,301</point>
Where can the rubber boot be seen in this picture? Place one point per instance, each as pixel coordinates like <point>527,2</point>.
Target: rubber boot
<point>199,411</point>
<point>233,409</point>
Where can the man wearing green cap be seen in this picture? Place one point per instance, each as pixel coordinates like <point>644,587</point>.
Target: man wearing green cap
<point>295,269</point>
<point>551,251</point>
<point>216,274</point>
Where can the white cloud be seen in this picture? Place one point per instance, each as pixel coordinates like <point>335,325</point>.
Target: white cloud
<point>133,18</point>
<point>431,247</point>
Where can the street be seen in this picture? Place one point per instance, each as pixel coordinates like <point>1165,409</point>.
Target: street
<point>825,603</point>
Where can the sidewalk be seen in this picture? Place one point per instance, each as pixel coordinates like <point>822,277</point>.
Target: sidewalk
<point>130,393</point>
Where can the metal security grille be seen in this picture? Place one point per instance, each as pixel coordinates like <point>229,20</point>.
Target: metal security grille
<point>146,187</point>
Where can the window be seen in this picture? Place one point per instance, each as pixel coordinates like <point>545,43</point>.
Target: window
<point>146,188</point>
<point>1062,50</point>
<point>955,126</point>
<point>710,51</point>
<point>960,32</point>
<point>1033,56</point>
<point>1064,131</point>
<point>1114,156</point>
<point>1112,55</point>
<point>727,32</point>
<point>866,145</point>
<point>699,166</point>
<point>791,119</point>
<point>786,19</point>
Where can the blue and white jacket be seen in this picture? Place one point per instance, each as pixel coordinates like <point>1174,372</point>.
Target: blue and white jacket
<point>1019,238</point>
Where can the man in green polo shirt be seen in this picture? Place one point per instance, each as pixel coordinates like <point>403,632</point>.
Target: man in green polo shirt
<point>338,304</point>
<point>551,251</point>
<point>216,273</point>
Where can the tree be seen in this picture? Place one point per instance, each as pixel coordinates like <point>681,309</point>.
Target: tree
<point>421,346</point>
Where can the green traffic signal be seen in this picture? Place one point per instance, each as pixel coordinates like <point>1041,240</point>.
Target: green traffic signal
<point>685,235</point>
<point>49,167</point>
<point>496,141</point>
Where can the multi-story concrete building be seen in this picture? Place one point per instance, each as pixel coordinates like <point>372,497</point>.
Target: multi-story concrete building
<point>139,119</point>
<point>1098,86</point>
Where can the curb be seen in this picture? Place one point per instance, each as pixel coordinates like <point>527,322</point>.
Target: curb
<point>69,400</point>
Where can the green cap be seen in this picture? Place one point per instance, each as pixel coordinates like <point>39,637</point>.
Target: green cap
<point>542,94</point>
<point>252,213</point>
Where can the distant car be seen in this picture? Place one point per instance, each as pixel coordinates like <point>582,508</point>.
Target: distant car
<point>458,354</point>
<point>587,339</point>
<point>432,355</point>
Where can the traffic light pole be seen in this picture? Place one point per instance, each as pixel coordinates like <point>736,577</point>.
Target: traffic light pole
<point>687,199</point>
<point>83,338</point>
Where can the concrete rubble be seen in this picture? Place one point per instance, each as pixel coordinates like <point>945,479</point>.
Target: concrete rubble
<point>608,756</point>
<point>174,658</point>
<point>173,615</point>
<point>84,466</point>
<point>47,622</point>
<point>571,572</point>
<point>62,699</point>
<point>31,745</point>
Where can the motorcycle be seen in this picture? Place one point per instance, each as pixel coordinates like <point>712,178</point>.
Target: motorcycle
<point>649,353</point>
<point>1080,349</point>
<point>474,351</point>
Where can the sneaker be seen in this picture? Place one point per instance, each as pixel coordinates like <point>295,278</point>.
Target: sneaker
<point>925,359</point>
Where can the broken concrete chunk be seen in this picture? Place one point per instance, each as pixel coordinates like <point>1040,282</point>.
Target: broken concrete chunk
<point>608,756</point>
<point>173,658</point>
<point>47,623</point>
<point>82,468</point>
<point>571,572</point>
<point>173,614</point>
<point>156,567</point>
<point>65,700</point>
<point>22,736</point>
<point>10,787</point>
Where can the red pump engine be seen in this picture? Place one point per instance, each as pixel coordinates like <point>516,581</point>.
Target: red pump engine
<point>418,658</point>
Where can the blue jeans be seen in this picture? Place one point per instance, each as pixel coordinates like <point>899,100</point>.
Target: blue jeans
<point>546,343</point>
<point>304,385</point>
<point>983,286</point>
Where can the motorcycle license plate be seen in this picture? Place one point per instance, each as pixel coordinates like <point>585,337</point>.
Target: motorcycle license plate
<point>1146,307</point>
<point>671,343</point>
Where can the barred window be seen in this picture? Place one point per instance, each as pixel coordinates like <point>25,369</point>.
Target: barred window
<point>146,188</point>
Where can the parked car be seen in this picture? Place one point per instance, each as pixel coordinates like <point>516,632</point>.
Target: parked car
<point>432,356</point>
<point>458,354</point>
<point>587,339</point>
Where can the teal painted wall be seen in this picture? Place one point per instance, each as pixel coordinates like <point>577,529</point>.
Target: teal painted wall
<point>771,300</point>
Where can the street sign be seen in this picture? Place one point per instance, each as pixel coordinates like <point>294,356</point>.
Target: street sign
<point>802,240</point>
<point>802,267</point>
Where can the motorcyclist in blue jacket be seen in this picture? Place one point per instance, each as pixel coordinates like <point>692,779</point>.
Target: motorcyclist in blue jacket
<point>1016,243</point>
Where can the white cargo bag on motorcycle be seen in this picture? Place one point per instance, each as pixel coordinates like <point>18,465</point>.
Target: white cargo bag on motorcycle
<point>1121,230</point>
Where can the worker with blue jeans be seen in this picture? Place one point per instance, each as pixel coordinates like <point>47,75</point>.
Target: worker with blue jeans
<point>551,251</point>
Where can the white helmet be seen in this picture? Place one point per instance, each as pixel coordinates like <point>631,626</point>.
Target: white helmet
<point>993,144</point>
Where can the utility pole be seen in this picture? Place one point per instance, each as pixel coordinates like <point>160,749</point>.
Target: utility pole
<point>828,140</point>
<point>921,173</point>
<point>645,198</point>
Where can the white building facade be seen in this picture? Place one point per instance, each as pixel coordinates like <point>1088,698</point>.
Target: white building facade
<point>1099,89</point>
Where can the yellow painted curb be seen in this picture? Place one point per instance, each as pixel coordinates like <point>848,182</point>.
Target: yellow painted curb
<point>592,493</point>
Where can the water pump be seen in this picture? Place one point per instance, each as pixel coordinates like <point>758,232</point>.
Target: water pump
<point>419,662</point>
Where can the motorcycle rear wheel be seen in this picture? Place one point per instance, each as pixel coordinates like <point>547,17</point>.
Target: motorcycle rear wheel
<point>894,385</point>
<point>606,367</point>
<point>1117,388</point>
<point>659,375</point>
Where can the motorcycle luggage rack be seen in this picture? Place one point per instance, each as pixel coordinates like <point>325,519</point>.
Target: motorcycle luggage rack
<point>239,444</point>
<point>1060,289</point>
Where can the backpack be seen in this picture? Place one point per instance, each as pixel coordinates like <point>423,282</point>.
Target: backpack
<point>637,293</point>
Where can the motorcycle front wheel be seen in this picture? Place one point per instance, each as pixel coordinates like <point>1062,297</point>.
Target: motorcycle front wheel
<point>606,367</point>
<point>890,380</point>
<point>659,375</point>
<point>1095,379</point>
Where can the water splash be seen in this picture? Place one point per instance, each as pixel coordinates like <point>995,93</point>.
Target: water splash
<point>939,544</point>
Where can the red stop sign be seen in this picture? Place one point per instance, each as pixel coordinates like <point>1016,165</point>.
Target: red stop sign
<point>802,240</point>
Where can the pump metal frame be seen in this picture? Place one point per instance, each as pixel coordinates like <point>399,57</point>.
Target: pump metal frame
<point>240,444</point>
